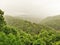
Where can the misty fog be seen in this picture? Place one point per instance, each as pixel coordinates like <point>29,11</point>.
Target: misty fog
<point>35,8</point>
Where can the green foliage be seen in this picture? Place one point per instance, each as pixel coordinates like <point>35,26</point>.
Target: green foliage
<point>53,22</point>
<point>26,26</point>
<point>7,29</point>
<point>12,36</point>
<point>2,22</point>
<point>22,38</point>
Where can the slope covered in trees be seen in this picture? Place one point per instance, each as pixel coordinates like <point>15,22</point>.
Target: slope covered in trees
<point>53,22</point>
<point>26,26</point>
<point>11,36</point>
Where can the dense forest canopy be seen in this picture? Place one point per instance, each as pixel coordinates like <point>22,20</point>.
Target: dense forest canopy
<point>10,35</point>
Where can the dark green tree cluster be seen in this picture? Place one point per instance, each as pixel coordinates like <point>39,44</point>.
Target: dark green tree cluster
<point>21,38</point>
<point>12,36</point>
<point>2,22</point>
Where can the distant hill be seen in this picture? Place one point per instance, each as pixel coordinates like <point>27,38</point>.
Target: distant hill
<point>30,18</point>
<point>24,25</point>
<point>53,22</point>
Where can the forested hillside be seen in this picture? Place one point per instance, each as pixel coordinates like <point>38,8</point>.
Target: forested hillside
<point>10,35</point>
<point>26,26</point>
<point>53,22</point>
<point>30,18</point>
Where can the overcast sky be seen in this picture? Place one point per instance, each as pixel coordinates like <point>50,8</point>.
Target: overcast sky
<point>35,8</point>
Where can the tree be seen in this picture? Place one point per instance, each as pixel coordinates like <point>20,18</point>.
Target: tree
<point>2,22</point>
